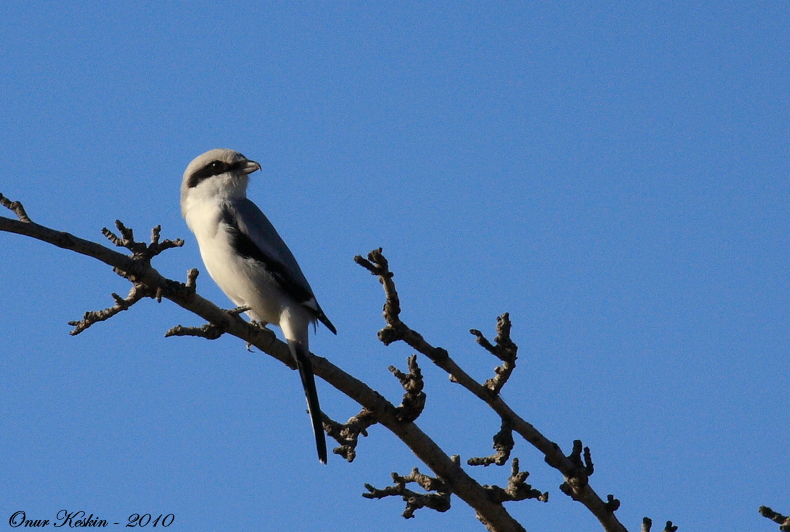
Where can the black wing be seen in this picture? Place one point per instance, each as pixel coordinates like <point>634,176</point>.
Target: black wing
<point>266,246</point>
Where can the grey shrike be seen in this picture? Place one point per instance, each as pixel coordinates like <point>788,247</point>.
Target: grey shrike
<point>250,262</point>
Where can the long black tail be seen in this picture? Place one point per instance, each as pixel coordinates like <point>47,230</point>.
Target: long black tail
<point>302,358</point>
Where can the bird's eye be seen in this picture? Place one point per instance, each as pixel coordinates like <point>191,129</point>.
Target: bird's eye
<point>218,167</point>
<point>211,169</point>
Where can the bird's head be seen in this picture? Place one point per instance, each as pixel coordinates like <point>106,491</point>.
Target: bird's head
<point>219,173</point>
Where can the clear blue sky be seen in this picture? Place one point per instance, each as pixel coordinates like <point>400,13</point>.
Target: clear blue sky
<point>614,175</point>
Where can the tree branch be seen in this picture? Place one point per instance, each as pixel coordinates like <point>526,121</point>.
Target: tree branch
<point>16,207</point>
<point>576,468</point>
<point>576,473</point>
<point>505,350</point>
<point>138,270</point>
<point>439,500</point>
<point>503,444</point>
<point>414,399</point>
<point>783,520</point>
<point>137,293</point>
<point>347,435</point>
<point>517,488</point>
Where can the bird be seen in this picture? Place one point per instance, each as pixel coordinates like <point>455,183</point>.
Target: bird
<point>250,262</point>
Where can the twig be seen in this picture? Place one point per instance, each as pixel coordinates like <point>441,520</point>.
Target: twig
<point>783,520</point>
<point>347,435</point>
<point>576,478</point>
<point>17,208</point>
<point>505,350</point>
<point>140,249</point>
<point>582,469</point>
<point>494,515</point>
<point>207,331</point>
<point>647,524</point>
<point>137,293</point>
<point>612,504</point>
<point>137,269</point>
<point>517,488</point>
<point>503,444</point>
<point>439,500</point>
<point>414,399</point>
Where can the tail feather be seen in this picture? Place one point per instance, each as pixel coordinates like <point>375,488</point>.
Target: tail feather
<point>302,358</point>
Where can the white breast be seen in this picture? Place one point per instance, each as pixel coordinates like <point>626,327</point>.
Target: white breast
<point>245,281</point>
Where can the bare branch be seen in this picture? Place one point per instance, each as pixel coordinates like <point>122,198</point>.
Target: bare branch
<point>17,208</point>
<point>439,500</point>
<point>192,275</point>
<point>414,399</point>
<point>578,479</point>
<point>128,236</point>
<point>783,520</point>
<point>612,504</point>
<point>347,435</point>
<point>395,329</point>
<point>156,247</point>
<point>505,350</point>
<point>138,270</point>
<point>576,484</point>
<point>211,331</point>
<point>207,331</point>
<point>140,249</point>
<point>647,524</point>
<point>137,293</point>
<point>503,444</point>
<point>517,488</point>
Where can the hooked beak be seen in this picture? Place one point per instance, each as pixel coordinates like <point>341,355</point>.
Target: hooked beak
<point>249,167</point>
